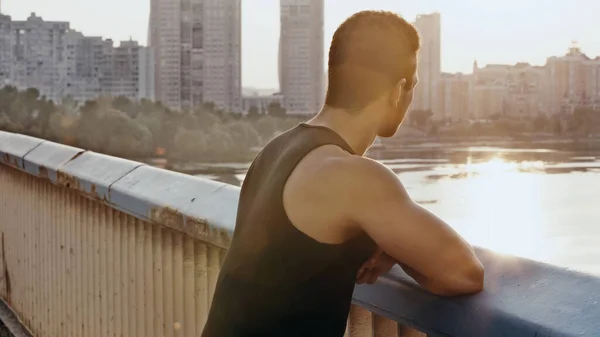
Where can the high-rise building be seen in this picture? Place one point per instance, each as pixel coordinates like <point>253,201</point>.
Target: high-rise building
<point>124,71</point>
<point>197,48</point>
<point>97,68</point>
<point>516,91</point>
<point>61,62</point>
<point>146,71</point>
<point>6,50</point>
<point>453,97</point>
<point>86,66</point>
<point>430,61</point>
<point>301,56</point>
<point>572,81</point>
<point>39,57</point>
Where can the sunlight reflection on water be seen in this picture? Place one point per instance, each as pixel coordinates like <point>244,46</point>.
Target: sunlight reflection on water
<point>516,208</point>
<point>536,208</point>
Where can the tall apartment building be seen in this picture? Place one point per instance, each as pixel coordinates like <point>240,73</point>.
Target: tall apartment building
<point>39,57</point>
<point>6,50</point>
<point>123,70</point>
<point>573,81</point>
<point>86,66</point>
<point>197,50</point>
<point>97,68</point>
<point>517,91</point>
<point>146,84</point>
<point>61,62</point>
<point>453,97</point>
<point>430,61</point>
<point>301,56</point>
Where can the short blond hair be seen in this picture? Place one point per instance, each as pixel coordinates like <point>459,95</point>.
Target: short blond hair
<point>370,52</point>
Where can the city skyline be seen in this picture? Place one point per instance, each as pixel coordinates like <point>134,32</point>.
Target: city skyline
<point>485,36</point>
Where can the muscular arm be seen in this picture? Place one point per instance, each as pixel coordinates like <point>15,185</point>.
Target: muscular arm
<point>430,251</point>
<point>428,284</point>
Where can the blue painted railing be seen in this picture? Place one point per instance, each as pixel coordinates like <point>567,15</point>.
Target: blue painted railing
<point>522,298</point>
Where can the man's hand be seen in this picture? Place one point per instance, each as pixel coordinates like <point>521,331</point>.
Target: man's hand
<point>378,264</point>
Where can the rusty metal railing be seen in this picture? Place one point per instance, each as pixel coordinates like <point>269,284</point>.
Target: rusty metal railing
<point>93,245</point>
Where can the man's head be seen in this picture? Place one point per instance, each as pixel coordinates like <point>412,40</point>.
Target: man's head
<point>372,68</point>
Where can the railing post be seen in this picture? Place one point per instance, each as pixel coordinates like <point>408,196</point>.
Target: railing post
<point>410,332</point>
<point>360,322</point>
<point>384,327</point>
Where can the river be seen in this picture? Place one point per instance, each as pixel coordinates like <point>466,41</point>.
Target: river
<point>541,204</point>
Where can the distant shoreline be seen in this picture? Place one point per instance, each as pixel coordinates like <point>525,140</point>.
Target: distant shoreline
<point>425,144</point>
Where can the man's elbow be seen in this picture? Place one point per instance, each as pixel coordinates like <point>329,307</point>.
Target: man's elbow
<point>466,282</point>
<point>473,279</point>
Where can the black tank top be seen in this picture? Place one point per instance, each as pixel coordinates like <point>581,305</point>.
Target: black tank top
<point>276,280</point>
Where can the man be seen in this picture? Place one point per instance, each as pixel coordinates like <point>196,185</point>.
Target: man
<point>312,209</point>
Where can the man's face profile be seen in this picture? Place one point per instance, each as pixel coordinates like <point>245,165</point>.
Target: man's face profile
<point>402,97</point>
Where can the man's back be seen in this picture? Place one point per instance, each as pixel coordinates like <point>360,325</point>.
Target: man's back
<point>276,280</point>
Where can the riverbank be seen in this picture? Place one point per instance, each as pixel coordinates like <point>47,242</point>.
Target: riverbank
<point>406,147</point>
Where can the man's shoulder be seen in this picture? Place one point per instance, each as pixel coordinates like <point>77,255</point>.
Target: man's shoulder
<point>342,172</point>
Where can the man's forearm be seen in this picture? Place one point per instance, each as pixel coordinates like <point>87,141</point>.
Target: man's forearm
<point>427,284</point>
<point>418,277</point>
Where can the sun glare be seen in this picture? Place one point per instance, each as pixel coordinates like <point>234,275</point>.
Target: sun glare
<point>503,197</point>
<point>498,165</point>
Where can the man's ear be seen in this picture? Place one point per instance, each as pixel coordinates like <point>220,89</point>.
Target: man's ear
<point>399,91</point>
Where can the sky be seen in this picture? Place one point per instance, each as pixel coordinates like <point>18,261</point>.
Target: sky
<point>502,31</point>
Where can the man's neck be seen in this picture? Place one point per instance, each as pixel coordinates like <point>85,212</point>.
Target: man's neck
<point>355,130</point>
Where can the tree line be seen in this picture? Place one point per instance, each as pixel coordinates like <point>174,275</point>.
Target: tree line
<point>131,129</point>
<point>583,122</point>
<point>141,129</point>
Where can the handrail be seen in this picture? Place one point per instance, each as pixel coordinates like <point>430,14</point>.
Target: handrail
<point>201,208</point>
<point>521,297</point>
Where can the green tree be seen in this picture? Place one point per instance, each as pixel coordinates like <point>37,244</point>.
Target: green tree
<point>557,126</point>
<point>126,138</point>
<point>276,110</point>
<point>583,120</point>
<point>155,126</point>
<point>190,145</point>
<point>7,124</point>
<point>221,144</point>
<point>207,119</point>
<point>253,112</point>
<point>266,128</point>
<point>420,118</point>
<point>243,134</point>
<point>125,105</point>
<point>540,123</point>
<point>434,130</point>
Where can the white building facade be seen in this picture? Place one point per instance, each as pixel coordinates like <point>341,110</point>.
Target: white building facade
<point>197,52</point>
<point>39,56</point>
<point>301,56</point>
<point>260,102</point>
<point>430,61</point>
<point>61,62</point>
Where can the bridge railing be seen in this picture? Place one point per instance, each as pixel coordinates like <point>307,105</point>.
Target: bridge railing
<point>93,245</point>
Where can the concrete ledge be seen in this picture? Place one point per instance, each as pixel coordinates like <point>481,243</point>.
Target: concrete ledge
<point>13,147</point>
<point>92,173</point>
<point>521,298</point>
<point>46,159</point>
<point>201,208</point>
